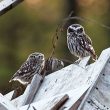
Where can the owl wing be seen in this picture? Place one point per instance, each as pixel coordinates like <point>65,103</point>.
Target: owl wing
<point>26,72</point>
<point>87,39</point>
<point>48,64</point>
<point>86,43</point>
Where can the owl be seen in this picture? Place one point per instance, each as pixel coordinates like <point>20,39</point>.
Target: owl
<point>34,64</point>
<point>79,43</point>
<point>53,64</point>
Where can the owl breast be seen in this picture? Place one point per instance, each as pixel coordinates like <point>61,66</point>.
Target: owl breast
<point>75,48</point>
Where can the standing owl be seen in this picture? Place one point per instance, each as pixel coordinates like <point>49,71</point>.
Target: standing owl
<point>33,65</point>
<point>53,64</point>
<point>79,43</point>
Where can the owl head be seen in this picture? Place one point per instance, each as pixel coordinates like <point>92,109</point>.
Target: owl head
<point>76,29</point>
<point>39,57</point>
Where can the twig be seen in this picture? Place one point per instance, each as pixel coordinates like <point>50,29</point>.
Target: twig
<point>84,20</point>
<point>96,22</point>
<point>56,36</point>
<point>60,103</point>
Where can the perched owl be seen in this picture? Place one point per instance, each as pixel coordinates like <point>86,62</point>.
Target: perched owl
<point>53,64</point>
<point>34,64</point>
<point>79,43</point>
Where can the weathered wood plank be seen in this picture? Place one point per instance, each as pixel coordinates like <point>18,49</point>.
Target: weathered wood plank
<point>5,104</point>
<point>60,103</point>
<point>34,86</point>
<point>6,5</point>
<point>98,96</point>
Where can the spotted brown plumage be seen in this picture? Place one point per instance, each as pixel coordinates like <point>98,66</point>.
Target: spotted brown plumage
<point>34,64</point>
<point>79,43</point>
<point>53,64</point>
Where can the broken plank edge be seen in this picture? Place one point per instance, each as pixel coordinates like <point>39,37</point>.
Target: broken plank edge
<point>61,102</point>
<point>4,7</point>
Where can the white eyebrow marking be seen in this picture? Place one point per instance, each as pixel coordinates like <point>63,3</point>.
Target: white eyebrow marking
<point>70,26</point>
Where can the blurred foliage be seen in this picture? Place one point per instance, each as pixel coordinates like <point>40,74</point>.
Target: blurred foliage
<point>30,26</point>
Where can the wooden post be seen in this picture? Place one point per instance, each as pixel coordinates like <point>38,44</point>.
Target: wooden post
<point>6,5</point>
<point>34,87</point>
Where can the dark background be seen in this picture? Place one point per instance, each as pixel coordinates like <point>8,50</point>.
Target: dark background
<point>29,27</point>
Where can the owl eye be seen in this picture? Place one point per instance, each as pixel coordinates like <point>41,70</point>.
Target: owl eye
<point>40,57</point>
<point>80,30</point>
<point>32,56</point>
<point>70,30</point>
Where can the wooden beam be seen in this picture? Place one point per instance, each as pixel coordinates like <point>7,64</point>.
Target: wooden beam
<point>6,5</point>
<point>60,103</point>
<point>34,87</point>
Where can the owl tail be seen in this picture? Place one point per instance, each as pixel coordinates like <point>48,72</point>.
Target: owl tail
<point>94,57</point>
<point>17,92</point>
<point>93,54</point>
